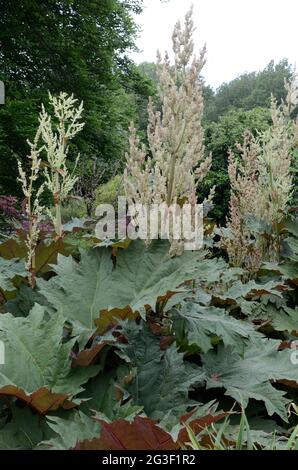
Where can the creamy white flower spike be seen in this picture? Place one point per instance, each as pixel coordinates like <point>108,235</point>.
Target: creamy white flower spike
<point>56,138</point>
<point>175,163</point>
<point>262,185</point>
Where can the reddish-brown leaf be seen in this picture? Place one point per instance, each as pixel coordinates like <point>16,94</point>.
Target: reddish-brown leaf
<point>42,401</point>
<point>288,383</point>
<point>46,254</point>
<point>88,357</point>
<point>166,341</point>
<point>108,319</point>
<point>198,425</point>
<point>141,434</point>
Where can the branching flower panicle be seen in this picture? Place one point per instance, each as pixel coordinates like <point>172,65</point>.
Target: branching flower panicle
<point>243,174</point>
<point>261,186</point>
<point>275,178</point>
<point>176,163</point>
<point>56,138</point>
<point>33,207</point>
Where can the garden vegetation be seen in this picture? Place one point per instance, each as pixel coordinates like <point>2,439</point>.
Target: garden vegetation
<point>122,344</point>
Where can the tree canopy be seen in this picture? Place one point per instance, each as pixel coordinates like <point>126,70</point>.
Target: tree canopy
<point>75,46</point>
<point>248,91</point>
<point>83,48</point>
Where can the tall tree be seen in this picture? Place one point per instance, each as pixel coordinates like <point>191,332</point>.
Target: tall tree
<point>249,90</point>
<point>71,45</point>
<point>221,136</point>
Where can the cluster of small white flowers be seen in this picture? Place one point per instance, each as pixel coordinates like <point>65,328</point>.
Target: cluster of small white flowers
<point>176,163</point>
<point>56,139</point>
<point>261,185</point>
<point>236,237</point>
<point>33,208</point>
<point>275,178</point>
<point>53,140</point>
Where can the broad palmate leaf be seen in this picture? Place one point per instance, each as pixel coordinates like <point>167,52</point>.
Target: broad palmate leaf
<point>252,375</point>
<point>201,324</point>
<point>37,366</point>
<point>140,434</point>
<point>289,268</point>
<point>142,275</point>
<point>23,432</point>
<point>286,319</point>
<point>162,379</point>
<point>81,433</point>
<point>46,251</point>
<point>70,431</point>
<point>9,268</point>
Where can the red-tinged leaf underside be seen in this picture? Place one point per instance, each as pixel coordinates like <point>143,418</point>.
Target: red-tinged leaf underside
<point>198,425</point>
<point>45,255</point>
<point>42,401</point>
<point>37,367</point>
<point>88,357</point>
<point>141,434</point>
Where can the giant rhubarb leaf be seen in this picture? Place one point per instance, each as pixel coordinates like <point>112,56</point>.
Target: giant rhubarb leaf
<point>9,269</point>
<point>251,376</point>
<point>80,432</point>
<point>100,395</point>
<point>37,367</point>
<point>141,434</point>
<point>23,432</point>
<point>201,324</point>
<point>24,300</point>
<point>162,379</point>
<point>286,319</point>
<point>251,289</point>
<point>70,431</point>
<point>289,268</point>
<point>84,291</point>
<point>46,251</point>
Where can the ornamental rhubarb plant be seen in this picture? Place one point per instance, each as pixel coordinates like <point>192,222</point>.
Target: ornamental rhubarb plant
<point>116,345</point>
<point>175,163</point>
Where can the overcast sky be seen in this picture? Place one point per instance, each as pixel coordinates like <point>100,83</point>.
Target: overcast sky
<point>241,35</point>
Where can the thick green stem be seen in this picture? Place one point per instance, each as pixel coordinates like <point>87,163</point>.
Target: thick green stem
<point>171,179</point>
<point>58,219</point>
<point>31,260</point>
<point>172,168</point>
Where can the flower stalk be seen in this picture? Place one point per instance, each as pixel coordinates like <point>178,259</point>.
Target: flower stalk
<point>33,207</point>
<point>261,187</point>
<point>56,134</point>
<point>175,163</point>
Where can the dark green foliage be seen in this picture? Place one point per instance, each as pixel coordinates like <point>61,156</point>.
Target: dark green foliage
<point>91,352</point>
<point>119,346</point>
<point>248,91</point>
<point>221,136</point>
<point>81,48</point>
